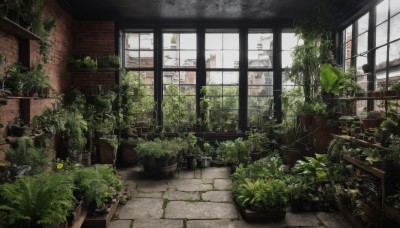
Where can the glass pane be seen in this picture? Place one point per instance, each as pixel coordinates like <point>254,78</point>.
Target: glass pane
<point>260,78</point>
<point>348,49</point>
<point>382,11</point>
<point>171,40</point>
<point>188,77</point>
<point>263,91</point>
<point>361,60</point>
<point>214,90</point>
<point>132,41</point>
<point>214,78</point>
<point>381,34</point>
<point>394,76</point>
<point>362,45</point>
<point>171,58</point>
<point>260,59</point>
<point>347,64</point>
<point>231,41</point>
<point>147,77</point>
<point>231,90</point>
<point>349,33</point>
<point>146,41</point>
<point>363,81</point>
<point>131,59</point>
<point>230,102</point>
<point>380,58</point>
<point>188,59</point>
<point>214,59</point>
<point>394,54</point>
<point>287,59</point>
<point>188,41</point>
<point>260,41</point>
<point>394,7</point>
<point>188,90</point>
<point>290,41</point>
<point>146,59</point>
<point>395,27</point>
<point>170,77</point>
<point>171,90</point>
<point>231,78</point>
<point>230,59</point>
<point>213,41</point>
<point>215,102</point>
<point>363,23</point>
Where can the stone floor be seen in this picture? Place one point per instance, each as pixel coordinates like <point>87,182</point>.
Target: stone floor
<point>197,199</point>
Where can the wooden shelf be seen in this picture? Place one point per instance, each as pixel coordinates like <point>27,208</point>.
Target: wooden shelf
<point>370,169</point>
<point>360,142</point>
<point>15,29</point>
<point>392,212</point>
<point>101,221</point>
<point>78,223</point>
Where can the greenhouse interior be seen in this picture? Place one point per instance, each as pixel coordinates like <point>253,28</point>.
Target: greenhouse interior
<point>200,113</point>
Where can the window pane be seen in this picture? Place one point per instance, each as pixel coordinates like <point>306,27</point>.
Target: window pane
<point>361,60</point>
<point>260,78</point>
<point>380,58</point>
<point>260,91</point>
<point>131,59</point>
<point>394,7</point>
<point>188,41</point>
<point>187,77</point>
<point>146,41</point>
<point>381,34</point>
<point>188,59</point>
<point>230,91</point>
<point>260,41</point>
<point>170,41</point>
<point>349,33</point>
<point>214,77</point>
<point>132,41</point>
<point>171,58</point>
<point>213,41</point>
<point>362,43</point>
<point>230,78</point>
<point>215,91</point>
<point>260,59</point>
<point>214,59</point>
<point>231,41</point>
<point>394,54</point>
<point>146,59</point>
<point>230,59</point>
<point>363,23</point>
<point>395,27</point>
<point>287,59</point>
<point>382,11</point>
<point>290,41</point>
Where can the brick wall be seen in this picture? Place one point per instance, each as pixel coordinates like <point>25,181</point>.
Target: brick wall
<point>9,48</point>
<point>95,39</point>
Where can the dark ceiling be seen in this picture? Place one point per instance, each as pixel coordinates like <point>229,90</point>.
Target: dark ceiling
<point>159,10</point>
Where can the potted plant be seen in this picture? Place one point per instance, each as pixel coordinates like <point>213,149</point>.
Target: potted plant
<point>159,156</point>
<point>128,151</point>
<point>373,120</point>
<point>266,197</point>
<point>255,141</point>
<point>37,80</point>
<point>41,200</point>
<point>372,156</point>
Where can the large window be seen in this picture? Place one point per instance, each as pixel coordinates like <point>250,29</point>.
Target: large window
<point>179,80</point>
<point>139,65</point>
<point>259,78</point>
<point>222,79</point>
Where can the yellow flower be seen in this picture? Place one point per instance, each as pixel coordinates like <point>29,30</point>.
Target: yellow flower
<point>60,165</point>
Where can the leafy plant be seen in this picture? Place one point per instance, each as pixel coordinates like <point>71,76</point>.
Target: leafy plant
<point>373,155</point>
<point>37,79</point>
<point>159,148</point>
<point>44,199</point>
<point>89,63</point>
<point>314,168</point>
<point>110,175</point>
<point>329,77</point>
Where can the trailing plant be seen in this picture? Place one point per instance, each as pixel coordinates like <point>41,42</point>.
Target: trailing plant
<point>44,199</point>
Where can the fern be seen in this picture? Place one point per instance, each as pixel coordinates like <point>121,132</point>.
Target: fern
<point>41,199</point>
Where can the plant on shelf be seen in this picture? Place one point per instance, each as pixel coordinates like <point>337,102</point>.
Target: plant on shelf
<point>330,76</point>
<point>15,79</point>
<point>37,80</point>
<point>89,63</point>
<point>23,152</point>
<point>372,155</point>
<point>113,60</point>
<point>372,120</point>
<point>37,201</point>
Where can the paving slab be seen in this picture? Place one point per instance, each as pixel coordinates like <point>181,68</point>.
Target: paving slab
<point>244,224</point>
<point>142,208</point>
<point>209,223</point>
<point>215,172</point>
<point>131,185</point>
<point>192,185</point>
<point>178,195</point>
<point>333,219</point>
<point>200,210</point>
<point>299,219</point>
<point>148,195</point>
<point>222,184</point>
<point>185,174</point>
<point>120,224</point>
<point>217,196</point>
<point>158,223</point>
<point>152,186</point>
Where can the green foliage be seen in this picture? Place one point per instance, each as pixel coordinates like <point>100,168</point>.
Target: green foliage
<point>159,148</point>
<point>51,121</point>
<point>89,63</point>
<point>75,128</point>
<point>234,151</point>
<point>373,155</point>
<point>37,79</point>
<point>329,77</point>
<point>394,147</point>
<point>263,195</point>
<point>110,175</point>
<point>90,185</point>
<point>313,168</point>
<point>44,199</point>
<point>24,153</point>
